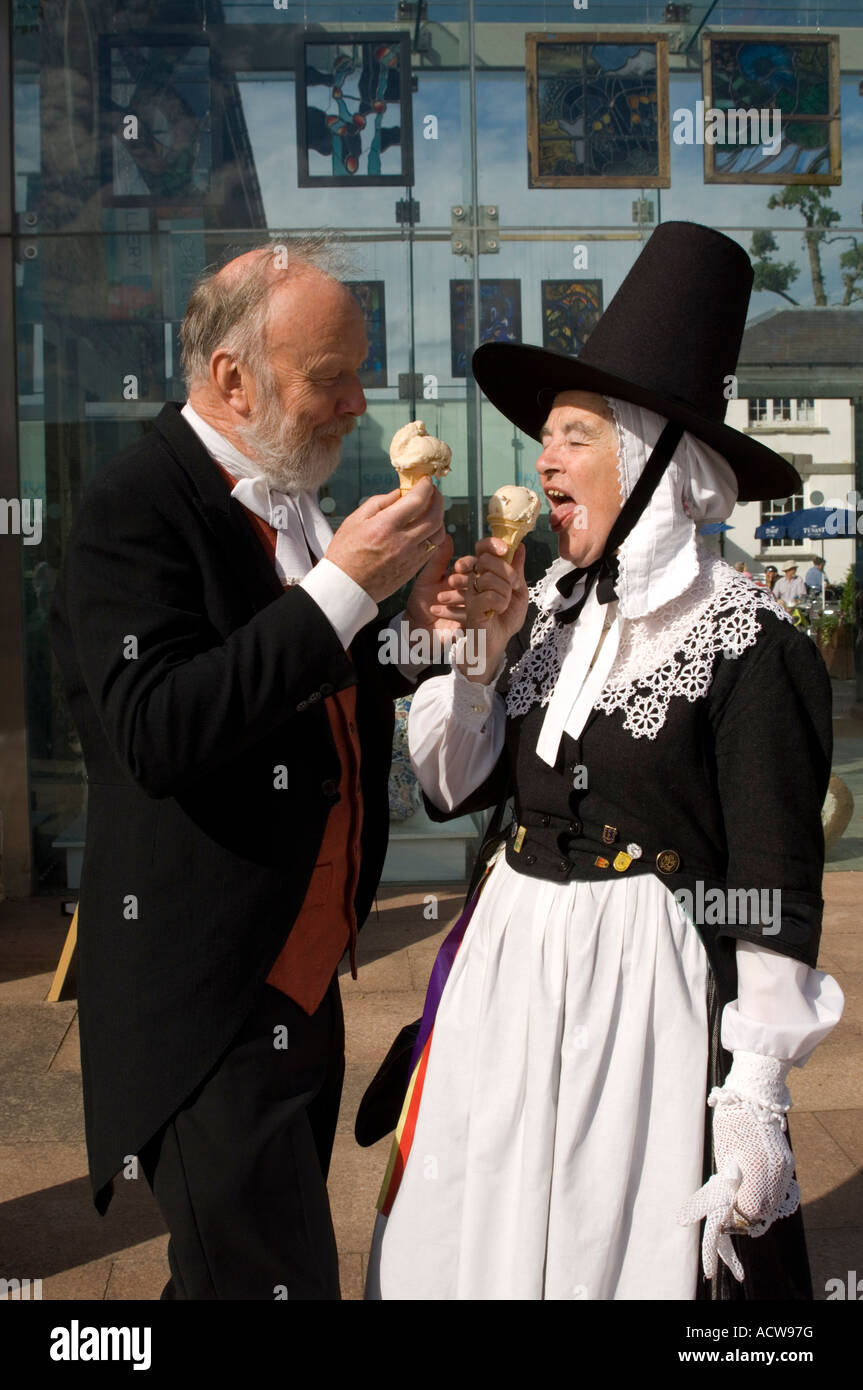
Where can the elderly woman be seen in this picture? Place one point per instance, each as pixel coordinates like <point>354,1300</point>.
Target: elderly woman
<point>646,917</point>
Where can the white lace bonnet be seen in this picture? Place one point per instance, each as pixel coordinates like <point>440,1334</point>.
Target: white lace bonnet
<point>658,562</point>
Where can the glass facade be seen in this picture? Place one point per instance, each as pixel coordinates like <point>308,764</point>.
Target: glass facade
<point>153,139</point>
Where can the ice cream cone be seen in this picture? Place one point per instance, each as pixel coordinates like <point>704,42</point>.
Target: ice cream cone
<point>416,454</point>
<point>512,512</point>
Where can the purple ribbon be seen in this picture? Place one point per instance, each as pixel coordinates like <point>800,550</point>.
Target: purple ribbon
<point>440,974</point>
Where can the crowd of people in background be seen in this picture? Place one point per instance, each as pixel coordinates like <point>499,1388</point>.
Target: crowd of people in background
<point>790,589</point>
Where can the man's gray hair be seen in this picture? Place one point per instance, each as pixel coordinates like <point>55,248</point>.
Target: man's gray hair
<point>230,311</point>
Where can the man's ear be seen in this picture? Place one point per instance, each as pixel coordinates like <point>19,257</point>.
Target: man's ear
<point>232,382</point>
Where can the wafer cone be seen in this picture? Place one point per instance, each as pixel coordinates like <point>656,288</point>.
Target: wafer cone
<point>409,476</point>
<point>513,532</point>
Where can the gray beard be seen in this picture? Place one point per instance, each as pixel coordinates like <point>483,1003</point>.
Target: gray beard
<point>290,458</point>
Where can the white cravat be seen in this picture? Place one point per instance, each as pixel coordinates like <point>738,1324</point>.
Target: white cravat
<point>297,519</point>
<point>579,682</point>
<point>299,524</point>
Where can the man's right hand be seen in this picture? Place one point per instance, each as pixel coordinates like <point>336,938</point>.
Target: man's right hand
<point>388,539</point>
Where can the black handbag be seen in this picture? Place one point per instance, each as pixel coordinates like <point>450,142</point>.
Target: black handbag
<point>382,1102</point>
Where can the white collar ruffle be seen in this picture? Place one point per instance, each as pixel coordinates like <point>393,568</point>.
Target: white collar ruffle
<point>296,518</point>
<point>643,663</point>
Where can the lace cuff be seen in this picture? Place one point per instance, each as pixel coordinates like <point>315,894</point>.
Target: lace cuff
<point>758,1079</point>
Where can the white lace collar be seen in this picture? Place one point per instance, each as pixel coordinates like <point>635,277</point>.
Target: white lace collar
<point>667,653</point>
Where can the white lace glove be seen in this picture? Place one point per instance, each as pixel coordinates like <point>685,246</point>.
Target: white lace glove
<point>754,1183</point>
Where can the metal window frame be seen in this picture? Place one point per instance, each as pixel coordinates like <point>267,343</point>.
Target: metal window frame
<point>16,843</point>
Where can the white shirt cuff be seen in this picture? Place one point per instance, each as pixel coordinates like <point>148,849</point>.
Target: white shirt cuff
<point>342,601</point>
<point>473,702</point>
<point>783,1008</point>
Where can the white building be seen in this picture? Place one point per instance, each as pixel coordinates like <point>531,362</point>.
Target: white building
<point>793,365</point>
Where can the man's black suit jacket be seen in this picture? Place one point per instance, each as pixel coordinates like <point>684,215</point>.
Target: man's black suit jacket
<point>194,680</point>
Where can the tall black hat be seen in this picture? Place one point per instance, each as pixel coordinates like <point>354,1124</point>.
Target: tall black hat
<point>669,340</point>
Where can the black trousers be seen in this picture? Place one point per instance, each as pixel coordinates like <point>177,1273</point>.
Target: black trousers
<point>239,1172</point>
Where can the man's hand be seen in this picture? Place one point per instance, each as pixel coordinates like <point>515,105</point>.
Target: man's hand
<point>389,538</point>
<point>428,607</point>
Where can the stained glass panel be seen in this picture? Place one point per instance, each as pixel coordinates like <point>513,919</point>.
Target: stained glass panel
<point>597,111</point>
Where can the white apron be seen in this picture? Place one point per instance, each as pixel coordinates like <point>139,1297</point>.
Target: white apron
<point>562,1117</point>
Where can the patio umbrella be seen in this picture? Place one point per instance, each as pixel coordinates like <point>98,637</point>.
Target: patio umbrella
<point>818,523</point>
<point>815,523</point>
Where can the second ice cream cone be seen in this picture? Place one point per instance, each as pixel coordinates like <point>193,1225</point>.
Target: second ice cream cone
<point>512,512</point>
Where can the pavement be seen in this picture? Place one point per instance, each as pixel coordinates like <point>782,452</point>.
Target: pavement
<point>49,1229</point>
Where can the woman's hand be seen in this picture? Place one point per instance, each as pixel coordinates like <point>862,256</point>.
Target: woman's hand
<point>490,596</point>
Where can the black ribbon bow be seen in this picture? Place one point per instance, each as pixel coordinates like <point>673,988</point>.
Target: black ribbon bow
<point>566,584</point>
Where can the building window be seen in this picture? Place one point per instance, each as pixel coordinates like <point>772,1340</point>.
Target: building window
<point>777,507</point>
<point>781,410</point>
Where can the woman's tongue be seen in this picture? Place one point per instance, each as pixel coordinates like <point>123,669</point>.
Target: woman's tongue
<point>562,514</point>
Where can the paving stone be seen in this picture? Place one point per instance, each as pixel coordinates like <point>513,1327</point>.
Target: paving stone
<point>86,1282</point>
<point>68,1055</point>
<point>421,959</point>
<point>351,1275</point>
<point>357,1077</point>
<point>140,1272</point>
<point>841,893</point>
<point>56,1227</point>
<point>355,1181</point>
<point>831,1184</point>
<point>372,1028</point>
<point>392,896</point>
<point>831,1080</point>
<point>847,951</point>
<point>395,936</point>
<point>42,1109</point>
<point>27,983</point>
<point>381,970</point>
<point>846,1128</point>
<point>832,1255</point>
<point>30,1035</point>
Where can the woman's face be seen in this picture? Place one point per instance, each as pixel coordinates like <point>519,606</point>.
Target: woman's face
<point>579,474</point>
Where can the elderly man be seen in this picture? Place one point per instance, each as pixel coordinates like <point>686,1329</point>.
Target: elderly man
<point>236,724</point>
<point>790,590</point>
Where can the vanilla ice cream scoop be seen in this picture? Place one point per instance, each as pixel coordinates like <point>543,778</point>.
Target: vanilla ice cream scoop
<point>416,454</point>
<point>512,512</point>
